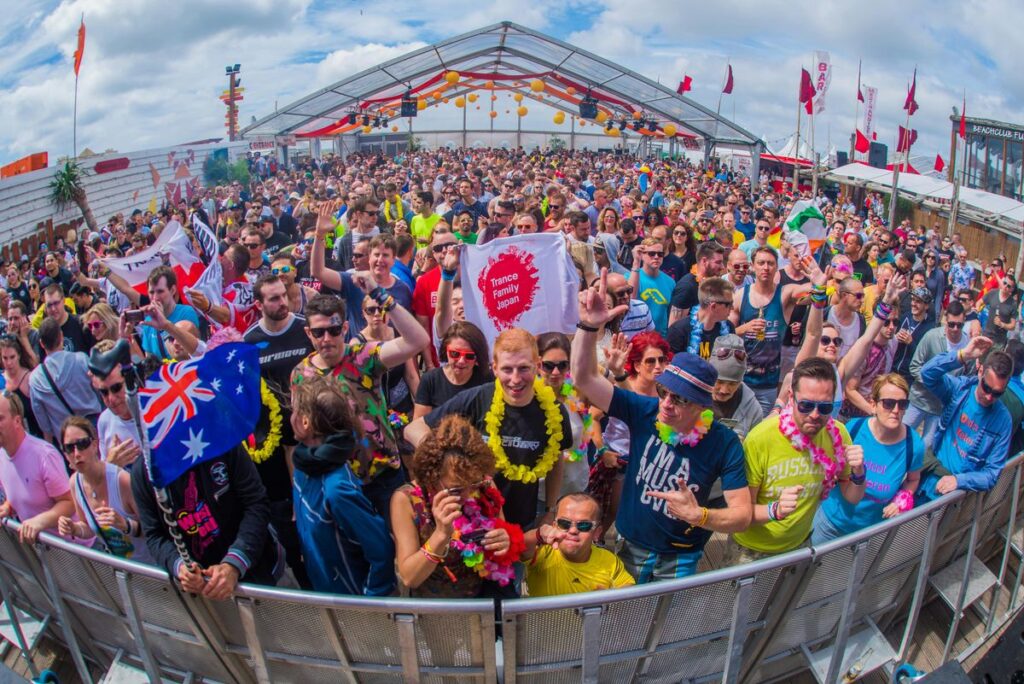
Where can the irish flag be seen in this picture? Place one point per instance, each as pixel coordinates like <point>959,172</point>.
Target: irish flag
<point>808,219</point>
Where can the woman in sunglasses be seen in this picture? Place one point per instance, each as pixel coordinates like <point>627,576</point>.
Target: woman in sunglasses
<point>104,506</point>
<point>101,321</point>
<point>401,382</point>
<point>463,354</point>
<point>554,350</point>
<point>451,503</point>
<point>635,367</point>
<point>893,458</point>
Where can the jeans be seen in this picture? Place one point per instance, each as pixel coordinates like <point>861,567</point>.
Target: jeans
<point>766,397</point>
<point>916,418</point>
<point>824,530</point>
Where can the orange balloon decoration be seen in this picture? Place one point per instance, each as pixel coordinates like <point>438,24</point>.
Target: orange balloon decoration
<point>472,97</point>
<point>421,104</point>
<point>437,94</point>
<point>521,111</point>
<point>537,85</point>
<point>460,102</point>
<point>670,130</point>
<point>602,116</point>
<point>394,129</point>
<point>518,97</point>
<point>493,113</point>
<point>638,115</point>
<point>445,100</point>
<point>489,85</point>
<point>452,77</point>
<point>570,90</point>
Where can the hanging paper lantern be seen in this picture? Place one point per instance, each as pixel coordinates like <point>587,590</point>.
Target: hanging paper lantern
<point>445,100</point>
<point>521,111</point>
<point>478,106</point>
<point>602,116</point>
<point>452,77</point>
<point>367,129</point>
<point>537,85</point>
<point>489,85</point>
<point>421,104</point>
<point>437,94</point>
<point>613,132</point>
<point>559,117</point>
<point>638,115</point>
<point>494,98</point>
<point>582,123</point>
<point>472,97</point>
<point>570,90</point>
<point>394,129</point>
<point>518,97</point>
<point>460,102</point>
<point>493,114</point>
<point>670,130</point>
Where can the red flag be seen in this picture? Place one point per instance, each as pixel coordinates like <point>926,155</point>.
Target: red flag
<point>860,94</point>
<point>80,50</point>
<point>727,90</point>
<point>963,120</point>
<point>910,104</point>
<point>685,85</point>
<point>807,91</point>
<point>939,163</point>
<point>863,144</point>
<point>908,136</point>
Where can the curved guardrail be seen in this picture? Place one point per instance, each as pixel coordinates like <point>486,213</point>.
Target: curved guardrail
<point>823,608</point>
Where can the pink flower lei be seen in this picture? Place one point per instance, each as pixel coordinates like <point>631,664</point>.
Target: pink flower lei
<point>801,442</point>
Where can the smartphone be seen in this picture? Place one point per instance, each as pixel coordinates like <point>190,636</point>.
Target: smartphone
<point>134,315</point>
<point>474,537</point>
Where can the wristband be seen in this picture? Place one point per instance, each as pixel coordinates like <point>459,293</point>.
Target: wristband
<point>703,516</point>
<point>621,378</point>
<point>859,480</point>
<point>448,276</point>
<point>426,547</point>
<point>960,356</point>
<point>904,500</point>
<point>771,510</point>
<point>436,560</point>
<point>587,328</point>
<point>881,315</point>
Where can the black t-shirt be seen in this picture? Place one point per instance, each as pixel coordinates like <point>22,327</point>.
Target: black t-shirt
<point>76,338</point>
<point>435,387</point>
<point>523,436</point>
<point>20,294</point>
<point>905,352</point>
<point>684,294</point>
<point>863,272</point>
<point>679,336</point>
<point>277,241</point>
<point>799,313</point>
<point>283,351</point>
<point>1007,311</point>
<point>675,267</point>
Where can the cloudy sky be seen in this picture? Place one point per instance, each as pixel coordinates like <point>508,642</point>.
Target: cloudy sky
<point>153,69</point>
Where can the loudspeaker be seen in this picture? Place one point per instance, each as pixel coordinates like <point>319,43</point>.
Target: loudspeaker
<point>842,159</point>
<point>588,110</point>
<point>409,106</point>
<point>877,155</point>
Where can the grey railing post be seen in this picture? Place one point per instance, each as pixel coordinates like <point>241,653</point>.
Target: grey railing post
<point>334,635</point>
<point>65,620</point>
<point>1007,547</point>
<point>407,641</point>
<point>12,613</point>
<point>252,638</point>
<point>738,630</point>
<point>591,643</point>
<point>654,634</point>
<point>958,609</point>
<point>849,600</point>
<point>920,586</point>
<point>131,610</point>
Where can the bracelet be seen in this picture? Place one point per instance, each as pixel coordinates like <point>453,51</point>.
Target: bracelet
<point>587,328</point>
<point>436,560</point>
<point>703,516</point>
<point>384,300</point>
<point>426,545</point>
<point>771,510</point>
<point>884,308</point>
<point>904,500</point>
<point>859,480</point>
<point>448,276</point>
<point>621,378</point>
<point>960,356</point>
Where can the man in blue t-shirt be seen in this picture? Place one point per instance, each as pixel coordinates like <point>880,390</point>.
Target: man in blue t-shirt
<point>163,286</point>
<point>973,438</point>
<point>650,284</point>
<point>663,515</point>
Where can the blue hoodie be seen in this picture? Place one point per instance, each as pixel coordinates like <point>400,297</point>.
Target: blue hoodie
<point>972,441</point>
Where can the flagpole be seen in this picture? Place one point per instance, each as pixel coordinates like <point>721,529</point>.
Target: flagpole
<point>896,173</point>
<point>74,116</point>
<point>856,117</point>
<point>796,167</point>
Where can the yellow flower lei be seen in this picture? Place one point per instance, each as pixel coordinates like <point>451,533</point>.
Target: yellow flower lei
<point>273,439</point>
<point>552,423</point>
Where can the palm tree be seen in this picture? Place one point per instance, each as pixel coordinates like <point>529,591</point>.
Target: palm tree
<point>66,188</point>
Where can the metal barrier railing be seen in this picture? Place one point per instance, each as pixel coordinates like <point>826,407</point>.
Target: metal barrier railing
<point>823,608</point>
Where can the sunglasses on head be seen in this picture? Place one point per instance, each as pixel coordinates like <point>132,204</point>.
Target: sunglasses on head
<point>581,525</point>
<point>740,354</point>
<point>332,330</point>
<point>807,407</point>
<point>283,269</point>
<point>77,445</point>
<point>987,389</point>
<point>113,389</point>
<point>892,404</point>
<point>551,366</point>
<point>456,354</point>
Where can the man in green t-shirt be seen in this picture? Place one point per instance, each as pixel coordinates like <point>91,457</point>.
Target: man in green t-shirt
<point>787,483</point>
<point>421,227</point>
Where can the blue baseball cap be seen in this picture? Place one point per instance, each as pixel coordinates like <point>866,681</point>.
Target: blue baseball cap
<point>689,377</point>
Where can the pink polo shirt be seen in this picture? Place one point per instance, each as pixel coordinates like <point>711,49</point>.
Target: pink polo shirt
<point>33,478</point>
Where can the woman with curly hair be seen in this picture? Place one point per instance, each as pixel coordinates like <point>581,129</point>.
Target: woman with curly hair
<point>450,535</point>
<point>101,322</point>
<point>345,542</point>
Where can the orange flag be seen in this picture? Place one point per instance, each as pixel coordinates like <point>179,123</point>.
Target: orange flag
<point>81,47</point>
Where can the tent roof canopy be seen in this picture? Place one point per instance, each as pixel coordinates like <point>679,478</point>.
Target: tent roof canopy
<point>510,56</point>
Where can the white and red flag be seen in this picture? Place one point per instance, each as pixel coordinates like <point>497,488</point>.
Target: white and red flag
<point>173,248</point>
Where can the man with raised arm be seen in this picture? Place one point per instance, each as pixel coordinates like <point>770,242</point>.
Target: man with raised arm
<point>677,454</point>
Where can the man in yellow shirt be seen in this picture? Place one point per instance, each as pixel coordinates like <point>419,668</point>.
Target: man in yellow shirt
<point>421,226</point>
<point>565,560</point>
<point>791,466</point>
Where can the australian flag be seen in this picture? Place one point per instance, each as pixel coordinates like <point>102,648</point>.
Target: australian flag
<point>198,409</point>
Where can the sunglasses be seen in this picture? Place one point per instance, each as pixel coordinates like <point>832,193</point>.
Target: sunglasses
<point>437,249</point>
<point>359,255</point>
<point>655,255</point>
<point>82,445</point>
<point>893,404</point>
<point>551,366</point>
<point>987,389</point>
<point>741,267</point>
<point>673,399</point>
<point>581,525</point>
<point>456,354</point>
<point>372,310</point>
<point>954,325</point>
<point>332,330</point>
<point>807,407</point>
<point>740,354</point>
<point>113,389</point>
<point>283,269</point>
<point>654,361</point>
<point>95,325</point>
<point>679,233</point>
<point>528,226</point>
<point>253,245</point>
<point>855,295</point>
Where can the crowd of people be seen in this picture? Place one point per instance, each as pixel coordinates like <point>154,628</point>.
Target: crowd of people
<point>720,383</point>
